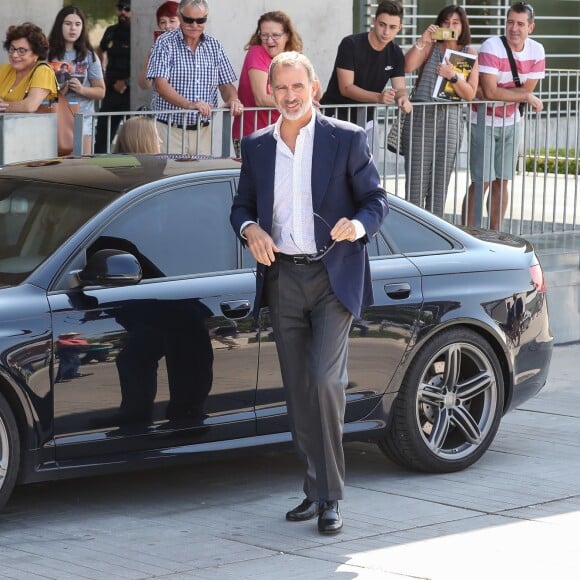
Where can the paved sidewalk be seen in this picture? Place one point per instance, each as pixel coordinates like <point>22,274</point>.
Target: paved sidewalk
<point>514,515</point>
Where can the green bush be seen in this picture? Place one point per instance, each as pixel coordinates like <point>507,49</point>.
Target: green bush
<point>542,163</point>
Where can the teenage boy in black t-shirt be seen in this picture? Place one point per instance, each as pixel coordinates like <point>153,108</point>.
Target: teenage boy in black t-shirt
<point>365,62</point>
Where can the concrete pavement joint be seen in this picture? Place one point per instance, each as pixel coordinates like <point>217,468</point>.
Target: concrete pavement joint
<point>540,412</point>
<point>536,504</point>
<point>431,501</point>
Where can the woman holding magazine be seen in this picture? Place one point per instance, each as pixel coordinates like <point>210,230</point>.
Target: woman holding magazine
<point>71,51</point>
<point>432,135</point>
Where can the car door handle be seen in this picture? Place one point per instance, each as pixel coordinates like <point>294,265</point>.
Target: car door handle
<point>235,308</point>
<point>398,291</point>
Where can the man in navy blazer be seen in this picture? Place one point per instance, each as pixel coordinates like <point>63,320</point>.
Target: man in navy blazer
<point>309,199</point>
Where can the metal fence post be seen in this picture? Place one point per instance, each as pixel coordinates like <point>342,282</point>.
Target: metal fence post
<point>226,132</point>
<point>78,134</point>
<point>478,186</point>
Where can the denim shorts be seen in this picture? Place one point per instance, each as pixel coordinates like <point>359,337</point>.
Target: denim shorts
<point>498,143</point>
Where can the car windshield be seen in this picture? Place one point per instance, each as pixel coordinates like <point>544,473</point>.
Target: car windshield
<point>35,219</point>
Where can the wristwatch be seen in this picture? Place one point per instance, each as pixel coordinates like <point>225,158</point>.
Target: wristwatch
<point>454,79</point>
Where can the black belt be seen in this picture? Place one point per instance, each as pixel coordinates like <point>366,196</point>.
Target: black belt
<point>186,127</point>
<point>298,259</point>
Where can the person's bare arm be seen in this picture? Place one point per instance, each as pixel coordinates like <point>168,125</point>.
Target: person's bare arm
<point>420,51</point>
<point>259,83</point>
<point>96,90</point>
<point>401,96</point>
<point>523,94</point>
<point>348,89</point>
<point>27,105</point>
<point>465,89</point>
<point>229,94</point>
<point>143,82</point>
<point>167,92</point>
<point>102,57</point>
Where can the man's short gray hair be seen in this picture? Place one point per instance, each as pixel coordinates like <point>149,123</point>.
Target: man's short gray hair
<point>201,4</point>
<point>292,58</point>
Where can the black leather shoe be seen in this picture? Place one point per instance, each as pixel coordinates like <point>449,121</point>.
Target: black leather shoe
<point>329,518</point>
<point>305,511</point>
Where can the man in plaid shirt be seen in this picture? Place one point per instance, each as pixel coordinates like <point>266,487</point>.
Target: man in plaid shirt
<point>188,67</point>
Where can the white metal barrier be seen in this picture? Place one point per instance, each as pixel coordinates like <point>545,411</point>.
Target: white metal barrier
<point>545,191</point>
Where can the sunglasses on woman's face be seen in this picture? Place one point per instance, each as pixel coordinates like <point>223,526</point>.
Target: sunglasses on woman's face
<point>189,20</point>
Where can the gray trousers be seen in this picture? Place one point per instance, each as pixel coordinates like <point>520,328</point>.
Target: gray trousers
<point>311,331</point>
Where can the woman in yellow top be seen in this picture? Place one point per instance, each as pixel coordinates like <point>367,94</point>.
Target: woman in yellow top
<point>23,85</point>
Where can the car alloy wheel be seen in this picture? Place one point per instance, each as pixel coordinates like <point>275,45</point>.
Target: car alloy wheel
<point>450,404</point>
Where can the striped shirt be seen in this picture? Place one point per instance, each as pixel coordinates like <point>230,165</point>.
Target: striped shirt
<point>493,60</point>
<point>195,75</point>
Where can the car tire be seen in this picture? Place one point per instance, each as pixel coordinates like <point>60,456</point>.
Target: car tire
<point>9,451</point>
<point>449,405</point>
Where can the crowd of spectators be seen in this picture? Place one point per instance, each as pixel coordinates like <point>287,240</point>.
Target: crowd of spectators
<point>188,70</point>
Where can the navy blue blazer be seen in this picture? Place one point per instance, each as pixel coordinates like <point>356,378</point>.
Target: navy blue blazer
<point>345,183</point>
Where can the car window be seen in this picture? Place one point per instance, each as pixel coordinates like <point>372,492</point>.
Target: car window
<point>408,235</point>
<point>36,218</point>
<point>377,246</point>
<point>178,232</point>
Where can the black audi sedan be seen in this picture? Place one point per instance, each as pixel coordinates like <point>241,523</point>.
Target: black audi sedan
<point>127,340</point>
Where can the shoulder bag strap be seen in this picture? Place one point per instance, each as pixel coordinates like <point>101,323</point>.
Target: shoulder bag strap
<point>515,74</point>
<point>32,76</point>
<point>513,66</point>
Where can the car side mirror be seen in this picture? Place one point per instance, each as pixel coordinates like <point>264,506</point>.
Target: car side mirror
<point>111,268</point>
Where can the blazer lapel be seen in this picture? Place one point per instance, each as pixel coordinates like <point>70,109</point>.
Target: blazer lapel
<point>266,155</point>
<point>325,147</point>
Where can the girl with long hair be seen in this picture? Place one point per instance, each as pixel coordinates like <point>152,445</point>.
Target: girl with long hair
<point>81,80</point>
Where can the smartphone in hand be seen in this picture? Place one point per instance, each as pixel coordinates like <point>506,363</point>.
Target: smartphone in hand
<point>443,34</point>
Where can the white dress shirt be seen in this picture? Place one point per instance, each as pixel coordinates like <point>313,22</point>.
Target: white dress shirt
<point>293,222</point>
<point>293,217</point>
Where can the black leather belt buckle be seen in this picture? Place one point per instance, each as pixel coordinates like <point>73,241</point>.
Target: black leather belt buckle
<point>300,260</point>
<point>187,127</point>
<point>194,126</point>
<point>296,259</point>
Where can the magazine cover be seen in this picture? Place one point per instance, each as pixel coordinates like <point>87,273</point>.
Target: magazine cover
<point>462,63</point>
<point>66,70</point>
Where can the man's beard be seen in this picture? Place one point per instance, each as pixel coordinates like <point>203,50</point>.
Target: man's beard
<point>298,114</point>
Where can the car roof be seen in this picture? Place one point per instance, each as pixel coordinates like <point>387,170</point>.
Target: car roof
<point>119,173</point>
<point>115,173</point>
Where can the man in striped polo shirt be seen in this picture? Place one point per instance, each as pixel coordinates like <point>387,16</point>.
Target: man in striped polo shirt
<point>495,135</point>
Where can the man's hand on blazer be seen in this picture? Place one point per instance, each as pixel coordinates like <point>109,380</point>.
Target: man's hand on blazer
<point>343,230</point>
<point>260,244</point>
